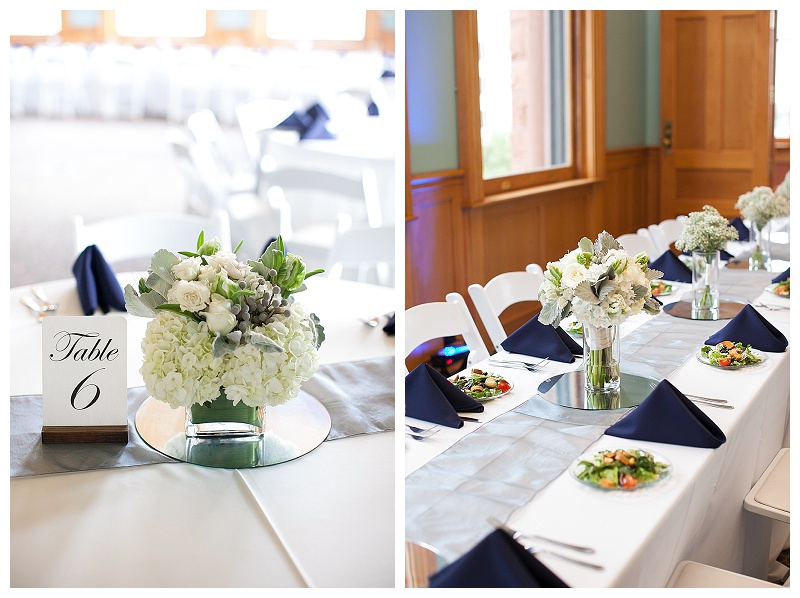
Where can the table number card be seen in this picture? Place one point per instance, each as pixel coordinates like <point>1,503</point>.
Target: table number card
<point>84,379</point>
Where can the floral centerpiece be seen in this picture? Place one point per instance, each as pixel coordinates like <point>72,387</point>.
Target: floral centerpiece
<point>783,188</point>
<point>227,338</point>
<point>705,234</point>
<point>760,206</point>
<point>601,285</point>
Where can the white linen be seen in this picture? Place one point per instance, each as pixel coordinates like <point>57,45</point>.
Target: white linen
<point>696,514</point>
<point>326,519</point>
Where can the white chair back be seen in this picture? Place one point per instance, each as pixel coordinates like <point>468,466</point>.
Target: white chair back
<point>451,317</point>
<point>670,230</point>
<point>501,292</point>
<point>690,574</point>
<point>141,235</point>
<point>637,242</point>
<point>365,254</point>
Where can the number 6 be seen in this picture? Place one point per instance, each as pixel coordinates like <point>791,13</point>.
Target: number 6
<point>80,387</point>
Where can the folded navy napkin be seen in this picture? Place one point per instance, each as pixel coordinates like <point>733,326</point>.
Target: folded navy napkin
<point>433,398</point>
<point>782,276</point>
<point>97,284</point>
<point>389,327</point>
<point>296,121</point>
<point>666,415</point>
<point>497,561</point>
<point>751,328</point>
<point>739,225</point>
<point>672,267</point>
<point>541,340</point>
<point>311,124</point>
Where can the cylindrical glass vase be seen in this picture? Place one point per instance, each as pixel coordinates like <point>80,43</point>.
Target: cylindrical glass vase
<point>220,418</point>
<point>601,357</point>
<point>705,285</point>
<point>759,236</point>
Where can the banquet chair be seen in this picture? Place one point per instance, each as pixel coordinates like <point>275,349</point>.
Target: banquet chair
<point>189,71</point>
<point>138,236</point>
<point>638,242</point>
<point>313,204</point>
<point>363,253</point>
<point>501,292</point>
<point>690,574</point>
<point>118,76</point>
<point>429,321</point>
<point>666,232</point>
<point>255,117</point>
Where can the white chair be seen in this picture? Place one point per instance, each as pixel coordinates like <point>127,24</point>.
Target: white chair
<point>124,238</point>
<point>635,243</point>
<point>118,81</point>
<point>314,203</point>
<point>501,292</point>
<point>254,118</point>
<point>364,252</point>
<point>429,321</point>
<point>189,78</point>
<point>690,574</point>
<point>666,232</point>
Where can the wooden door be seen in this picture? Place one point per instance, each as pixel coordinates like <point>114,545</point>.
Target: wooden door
<point>717,75</point>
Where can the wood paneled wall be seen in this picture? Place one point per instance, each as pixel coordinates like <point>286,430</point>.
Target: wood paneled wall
<point>450,245</point>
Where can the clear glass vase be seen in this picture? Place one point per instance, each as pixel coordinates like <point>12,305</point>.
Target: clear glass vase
<point>705,285</point>
<point>601,359</point>
<point>760,256</point>
<point>220,418</point>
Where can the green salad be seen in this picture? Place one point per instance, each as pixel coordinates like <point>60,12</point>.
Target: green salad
<point>575,328</point>
<point>481,385</point>
<point>624,469</point>
<point>730,354</point>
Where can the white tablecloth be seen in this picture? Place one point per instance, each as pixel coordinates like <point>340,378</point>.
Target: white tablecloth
<point>324,520</point>
<point>696,514</point>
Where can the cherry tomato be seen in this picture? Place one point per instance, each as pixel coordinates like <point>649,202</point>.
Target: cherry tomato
<point>503,386</point>
<point>656,291</point>
<point>627,481</point>
<point>724,361</point>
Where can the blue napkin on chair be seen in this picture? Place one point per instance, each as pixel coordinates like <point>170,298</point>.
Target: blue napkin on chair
<point>751,328</point>
<point>672,267</point>
<point>497,561</point>
<point>317,127</point>
<point>97,284</point>
<point>541,340</point>
<point>433,398</point>
<point>389,327</point>
<point>782,276</point>
<point>741,227</point>
<point>666,415</point>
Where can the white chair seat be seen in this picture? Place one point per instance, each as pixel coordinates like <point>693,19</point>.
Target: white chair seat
<point>689,574</point>
<point>770,494</point>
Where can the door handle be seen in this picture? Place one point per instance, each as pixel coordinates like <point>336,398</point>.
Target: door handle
<point>666,137</point>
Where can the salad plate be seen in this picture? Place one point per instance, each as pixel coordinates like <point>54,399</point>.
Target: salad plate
<point>659,288</point>
<point>620,469</point>
<point>482,386</point>
<point>781,289</point>
<point>729,355</point>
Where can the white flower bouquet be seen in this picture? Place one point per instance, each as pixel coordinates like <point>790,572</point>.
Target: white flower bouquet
<point>783,188</point>
<point>224,328</point>
<point>762,204</point>
<point>598,283</point>
<point>706,232</point>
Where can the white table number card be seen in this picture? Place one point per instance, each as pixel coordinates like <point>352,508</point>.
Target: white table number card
<point>84,379</point>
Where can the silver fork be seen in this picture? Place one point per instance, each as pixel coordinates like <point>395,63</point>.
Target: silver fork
<point>771,307</point>
<point>531,367</point>
<point>423,431</point>
<point>31,304</point>
<point>46,305</point>
<point>518,534</point>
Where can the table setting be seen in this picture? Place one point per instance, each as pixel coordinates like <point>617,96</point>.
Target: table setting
<point>228,497</point>
<point>647,467</point>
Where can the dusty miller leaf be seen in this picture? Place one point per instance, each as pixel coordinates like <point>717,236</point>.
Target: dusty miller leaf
<point>584,291</point>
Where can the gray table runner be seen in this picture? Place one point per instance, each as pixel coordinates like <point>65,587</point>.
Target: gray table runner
<point>500,467</point>
<point>359,397</point>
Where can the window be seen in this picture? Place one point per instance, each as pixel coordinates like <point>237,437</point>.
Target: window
<point>524,68</point>
<point>162,22</point>
<point>305,24</point>
<point>34,21</point>
<point>783,75</point>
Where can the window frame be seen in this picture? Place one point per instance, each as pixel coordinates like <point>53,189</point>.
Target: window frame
<point>584,136</point>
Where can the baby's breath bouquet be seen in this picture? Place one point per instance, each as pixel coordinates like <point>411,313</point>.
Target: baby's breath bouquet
<point>762,204</point>
<point>706,231</point>
<point>783,188</point>
<point>225,332</point>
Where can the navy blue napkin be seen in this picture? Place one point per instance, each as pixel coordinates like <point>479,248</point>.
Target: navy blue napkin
<point>751,328</point>
<point>433,398</point>
<point>666,415</point>
<point>782,276</point>
<point>389,327</point>
<point>317,128</point>
<point>672,267</point>
<point>97,284</point>
<point>541,340</point>
<point>296,121</point>
<point>497,561</point>
<point>739,225</point>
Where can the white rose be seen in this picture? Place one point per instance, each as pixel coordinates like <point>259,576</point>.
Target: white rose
<point>573,274</point>
<point>226,261</point>
<point>218,315</point>
<point>191,296</point>
<point>187,269</point>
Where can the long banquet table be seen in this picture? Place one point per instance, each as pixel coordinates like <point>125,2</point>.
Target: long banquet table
<point>640,536</point>
<point>323,520</point>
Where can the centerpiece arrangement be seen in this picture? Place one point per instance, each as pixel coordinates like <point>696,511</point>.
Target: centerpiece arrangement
<point>227,337</point>
<point>601,286</point>
<point>704,234</point>
<point>761,206</point>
